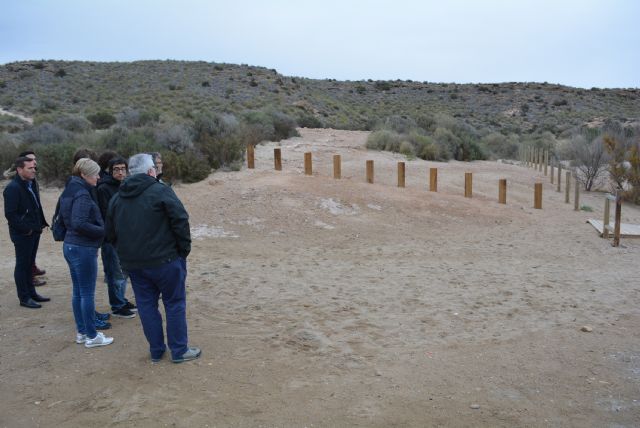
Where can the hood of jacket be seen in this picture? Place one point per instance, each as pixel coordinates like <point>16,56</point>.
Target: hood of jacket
<point>135,185</point>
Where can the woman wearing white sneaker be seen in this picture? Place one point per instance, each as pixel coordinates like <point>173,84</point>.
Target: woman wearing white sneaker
<point>85,232</point>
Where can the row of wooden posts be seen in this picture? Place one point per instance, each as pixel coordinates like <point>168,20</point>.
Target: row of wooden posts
<point>538,159</point>
<point>433,175</point>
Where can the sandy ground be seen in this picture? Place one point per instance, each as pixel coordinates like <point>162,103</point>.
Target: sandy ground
<point>321,302</point>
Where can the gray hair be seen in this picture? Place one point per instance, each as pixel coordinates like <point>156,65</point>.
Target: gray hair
<point>140,163</point>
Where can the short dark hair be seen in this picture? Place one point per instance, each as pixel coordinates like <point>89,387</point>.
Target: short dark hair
<point>25,153</point>
<point>105,157</point>
<point>117,161</point>
<point>84,153</point>
<point>19,163</point>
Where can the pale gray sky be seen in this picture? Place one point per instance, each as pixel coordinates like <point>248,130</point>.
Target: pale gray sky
<point>581,43</point>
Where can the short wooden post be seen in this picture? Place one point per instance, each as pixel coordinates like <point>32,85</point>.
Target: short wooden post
<point>559,177</point>
<point>401,174</point>
<point>251,157</point>
<point>337,167</point>
<point>433,179</point>
<point>540,159</point>
<point>552,172</point>
<point>576,193</point>
<point>502,191</point>
<point>468,184</point>
<point>616,229</point>
<point>546,161</point>
<point>537,196</point>
<point>277,159</point>
<point>605,221</point>
<point>567,189</point>
<point>533,158</point>
<point>308,166</point>
<point>370,171</point>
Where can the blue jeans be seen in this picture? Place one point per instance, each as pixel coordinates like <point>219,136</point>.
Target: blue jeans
<point>166,281</point>
<point>116,281</point>
<point>26,248</point>
<point>83,266</point>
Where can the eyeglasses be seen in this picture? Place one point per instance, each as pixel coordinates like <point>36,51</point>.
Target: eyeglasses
<point>119,169</point>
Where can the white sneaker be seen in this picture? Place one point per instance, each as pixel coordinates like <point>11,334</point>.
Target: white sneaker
<point>99,340</point>
<point>81,338</point>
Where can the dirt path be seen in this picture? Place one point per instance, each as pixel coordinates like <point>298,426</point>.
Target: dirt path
<point>322,302</point>
<point>29,120</point>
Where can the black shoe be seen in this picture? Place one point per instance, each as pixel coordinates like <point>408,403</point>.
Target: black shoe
<point>38,298</point>
<point>30,304</point>
<point>37,271</point>
<point>123,313</point>
<point>131,306</point>
<point>38,282</point>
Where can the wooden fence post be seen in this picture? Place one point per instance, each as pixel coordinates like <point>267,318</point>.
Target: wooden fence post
<point>616,229</point>
<point>277,159</point>
<point>567,185</point>
<point>559,177</point>
<point>605,222</point>
<point>576,194</point>
<point>468,184</point>
<point>537,196</point>
<point>337,167</point>
<point>251,156</point>
<point>546,161</point>
<point>433,179</point>
<point>370,171</point>
<point>401,170</point>
<point>552,172</point>
<point>540,159</point>
<point>308,165</point>
<point>502,191</point>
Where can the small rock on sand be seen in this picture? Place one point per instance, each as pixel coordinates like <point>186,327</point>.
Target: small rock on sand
<point>586,329</point>
<point>475,406</point>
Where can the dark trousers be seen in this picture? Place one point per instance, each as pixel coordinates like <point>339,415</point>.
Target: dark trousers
<point>166,281</point>
<point>26,248</point>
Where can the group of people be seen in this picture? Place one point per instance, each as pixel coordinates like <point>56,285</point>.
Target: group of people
<point>142,229</point>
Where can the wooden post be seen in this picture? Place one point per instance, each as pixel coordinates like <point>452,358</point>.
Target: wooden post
<point>605,221</point>
<point>567,188</point>
<point>546,161</point>
<point>537,196</point>
<point>468,185</point>
<point>540,157</point>
<point>370,171</point>
<point>433,179</point>
<point>533,160</point>
<point>616,229</point>
<point>277,159</point>
<point>251,157</point>
<point>337,167</point>
<point>308,166</point>
<point>502,191</point>
<point>576,193</point>
<point>401,174</point>
<point>559,177</point>
<point>552,172</point>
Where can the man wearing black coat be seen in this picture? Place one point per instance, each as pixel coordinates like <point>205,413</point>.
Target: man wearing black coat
<point>150,229</point>
<point>23,210</point>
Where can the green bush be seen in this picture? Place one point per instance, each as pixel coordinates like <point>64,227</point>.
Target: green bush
<point>190,166</point>
<point>55,162</point>
<point>102,120</point>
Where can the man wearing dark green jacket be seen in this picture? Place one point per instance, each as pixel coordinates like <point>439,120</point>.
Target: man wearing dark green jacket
<point>149,227</point>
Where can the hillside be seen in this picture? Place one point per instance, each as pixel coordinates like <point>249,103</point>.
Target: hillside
<point>42,89</point>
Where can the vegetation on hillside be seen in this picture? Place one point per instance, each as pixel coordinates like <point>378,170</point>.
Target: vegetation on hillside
<point>204,114</point>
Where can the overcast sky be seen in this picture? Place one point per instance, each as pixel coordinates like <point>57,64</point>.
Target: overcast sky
<point>582,43</point>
